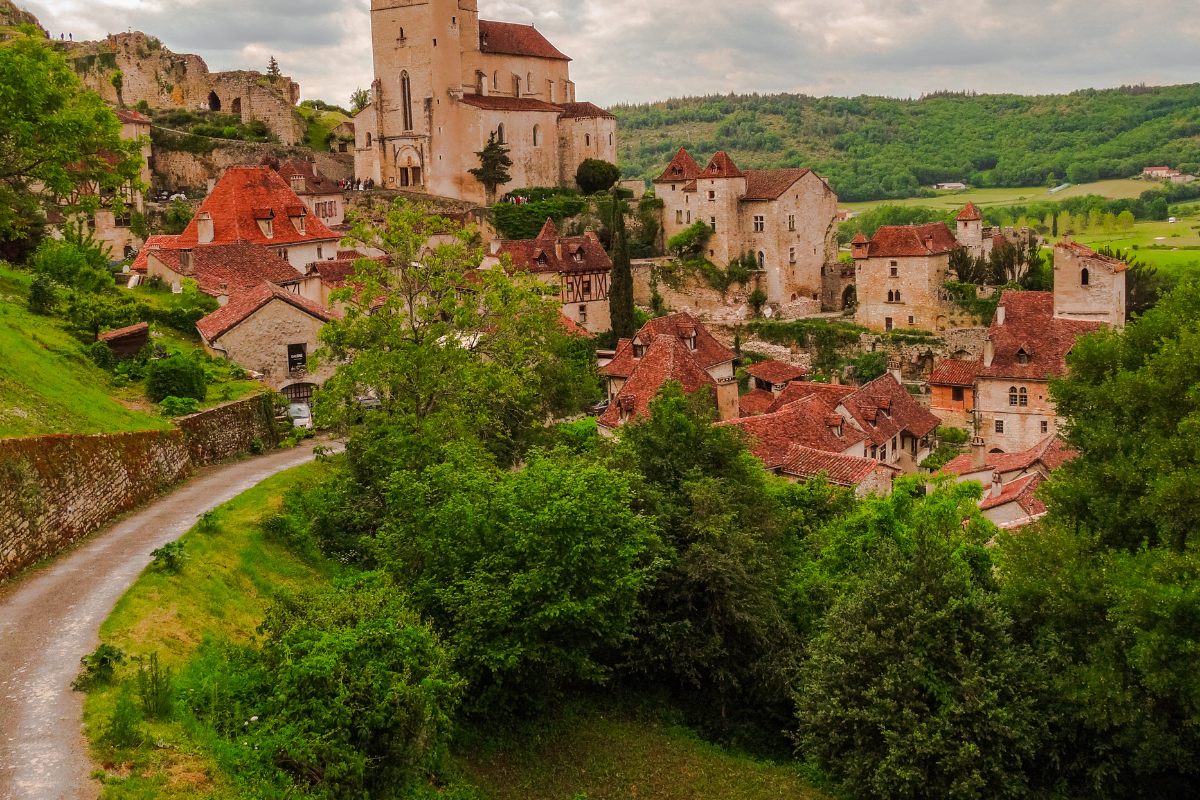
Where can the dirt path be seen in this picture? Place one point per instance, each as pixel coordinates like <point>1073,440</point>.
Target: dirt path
<point>53,618</point>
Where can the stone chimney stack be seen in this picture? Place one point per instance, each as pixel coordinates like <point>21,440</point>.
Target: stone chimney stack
<point>997,487</point>
<point>978,453</point>
<point>894,368</point>
<point>836,380</point>
<point>212,184</point>
<point>204,228</point>
<point>558,249</point>
<point>496,245</point>
<point>1000,315</point>
<point>989,352</point>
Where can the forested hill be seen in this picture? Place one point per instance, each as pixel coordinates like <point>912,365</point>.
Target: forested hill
<point>874,148</point>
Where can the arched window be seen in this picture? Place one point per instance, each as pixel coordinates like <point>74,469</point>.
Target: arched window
<point>402,34</point>
<point>368,138</point>
<point>610,140</point>
<point>762,260</point>
<point>529,82</point>
<point>891,296</point>
<point>1012,395</point>
<point>496,80</point>
<point>1083,277</point>
<point>500,133</point>
<point>536,136</point>
<point>516,86</point>
<point>897,295</point>
<point>406,101</point>
<point>587,140</point>
<point>1024,397</point>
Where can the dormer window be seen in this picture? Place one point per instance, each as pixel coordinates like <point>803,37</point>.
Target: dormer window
<point>639,350</point>
<point>691,342</point>
<point>578,257</point>
<point>1022,356</point>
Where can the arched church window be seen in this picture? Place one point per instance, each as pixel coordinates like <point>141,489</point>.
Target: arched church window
<point>500,133</point>
<point>368,138</point>
<point>496,80</point>
<point>610,140</point>
<point>587,140</point>
<point>536,136</point>
<point>406,100</point>
<point>1083,277</point>
<point>762,260</point>
<point>1024,396</point>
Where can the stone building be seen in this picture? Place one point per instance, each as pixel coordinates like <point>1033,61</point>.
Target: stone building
<point>1010,480</point>
<point>899,275</point>
<point>577,265</point>
<point>220,270</point>
<point>952,392</point>
<point>272,331</point>
<point>786,217</point>
<point>324,198</point>
<point>114,230</point>
<point>167,80</point>
<point>1087,285</point>
<point>446,80</point>
<point>982,239</point>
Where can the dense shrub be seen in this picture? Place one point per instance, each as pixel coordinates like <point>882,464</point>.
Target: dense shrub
<point>525,221</point>
<point>595,175</point>
<point>178,376</point>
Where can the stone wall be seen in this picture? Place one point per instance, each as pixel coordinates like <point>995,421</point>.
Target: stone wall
<point>175,170</point>
<point>918,359</point>
<point>56,489</point>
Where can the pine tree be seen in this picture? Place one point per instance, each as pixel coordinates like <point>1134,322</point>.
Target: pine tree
<point>492,171</point>
<point>273,67</point>
<point>620,292</point>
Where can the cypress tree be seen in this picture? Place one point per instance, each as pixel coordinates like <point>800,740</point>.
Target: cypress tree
<point>620,292</point>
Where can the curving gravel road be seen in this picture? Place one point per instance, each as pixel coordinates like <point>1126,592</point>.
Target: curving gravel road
<point>51,619</point>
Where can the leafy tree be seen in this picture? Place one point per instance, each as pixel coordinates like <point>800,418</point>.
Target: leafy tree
<point>595,175</point>
<point>93,313</point>
<point>118,83</point>
<point>690,241</point>
<point>273,67</point>
<point>968,268</point>
<point>77,261</point>
<point>360,100</point>
<point>756,300</point>
<point>869,366</point>
<point>492,171</point>
<point>914,687</point>
<point>59,140</point>
<point>1063,224</point>
<point>179,216</point>
<point>176,376</point>
<point>620,292</point>
<point>1125,221</point>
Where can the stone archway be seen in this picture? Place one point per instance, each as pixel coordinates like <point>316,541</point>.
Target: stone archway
<point>236,106</point>
<point>849,296</point>
<point>214,102</point>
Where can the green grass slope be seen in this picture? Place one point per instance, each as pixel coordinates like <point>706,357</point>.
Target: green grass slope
<point>874,148</point>
<point>47,383</point>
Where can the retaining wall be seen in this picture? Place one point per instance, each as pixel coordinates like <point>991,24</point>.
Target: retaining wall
<point>56,489</point>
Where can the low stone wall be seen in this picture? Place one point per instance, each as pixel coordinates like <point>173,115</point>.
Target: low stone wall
<point>177,169</point>
<point>56,489</point>
<point>919,359</point>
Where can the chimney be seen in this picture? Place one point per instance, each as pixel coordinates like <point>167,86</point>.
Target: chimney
<point>204,228</point>
<point>894,368</point>
<point>212,184</point>
<point>1000,315</point>
<point>1066,237</point>
<point>836,380</point>
<point>727,398</point>
<point>223,297</point>
<point>997,487</point>
<point>558,249</point>
<point>978,453</point>
<point>496,245</point>
<point>989,351</point>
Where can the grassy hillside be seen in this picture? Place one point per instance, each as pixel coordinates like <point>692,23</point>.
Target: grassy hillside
<point>1117,189</point>
<point>222,595</point>
<point>874,148</point>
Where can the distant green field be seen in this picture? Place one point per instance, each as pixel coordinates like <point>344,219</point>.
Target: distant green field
<point>1115,190</point>
<point>1180,242</point>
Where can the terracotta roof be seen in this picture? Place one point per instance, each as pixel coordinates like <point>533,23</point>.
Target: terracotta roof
<point>314,181</point>
<point>495,102</point>
<point>721,166</point>
<point>1021,492</point>
<point>130,117</point>
<point>1087,252</point>
<point>756,402</point>
<point>515,40</point>
<point>805,422</point>
<point>769,184</point>
<point>580,254</point>
<point>953,372</point>
<point>666,360</point>
<point>583,111</point>
<point>152,244</point>
<point>969,213</point>
<point>572,327</point>
<point>119,333</point>
<point>838,468</point>
<point>776,372</point>
<point>832,394</point>
<point>890,241</point>
<point>245,304</point>
<point>883,408</point>
<point>240,266</point>
<point>681,169</point>
<point>244,194</point>
<point>1030,325</point>
<point>860,238</point>
<point>1050,452</point>
<point>708,353</point>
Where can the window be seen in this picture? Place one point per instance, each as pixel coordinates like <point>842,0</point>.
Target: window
<point>895,272</point>
<point>319,256</point>
<point>891,296</point>
<point>610,140</point>
<point>887,323</point>
<point>297,357</point>
<point>679,217</point>
<point>406,101</point>
<point>883,452</point>
<point>587,285</point>
<point>402,34</point>
<point>712,195</point>
<point>1022,356</point>
<point>760,224</point>
<point>689,218</point>
<point>912,320</point>
<point>999,426</point>
<point>1083,277</point>
<point>529,82</point>
<point>956,394</point>
<point>791,222</point>
<point>1045,426</point>
<point>587,140</point>
<point>762,259</point>
<point>583,314</point>
<point>1012,395</point>
<point>639,350</point>
<point>368,138</point>
<point>893,264</point>
<point>516,86</point>
<point>712,223</point>
<point>500,133</point>
<point>791,255</point>
<point>496,80</point>
<point>536,134</point>
<point>1024,397</point>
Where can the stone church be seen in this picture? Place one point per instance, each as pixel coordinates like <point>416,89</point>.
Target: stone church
<point>446,80</point>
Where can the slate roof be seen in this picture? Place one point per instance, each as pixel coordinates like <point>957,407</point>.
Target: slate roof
<point>839,468</point>
<point>495,102</point>
<point>883,408</point>
<point>892,241</point>
<point>315,183</point>
<point>515,40</point>
<point>1030,325</point>
<point>969,213</point>
<point>831,393</point>
<point>756,402</point>
<point>583,111</point>
<point>580,254</point>
<point>776,372</point>
<point>770,184</point>
<point>153,244</point>
<point>244,194</point>
<point>241,307</point>
<point>682,168</point>
<point>953,372</point>
<point>1021,492</point>
<point>810,422</point>
<point>241,266</point>
<point>1050,452</point>
<point>667,359</point>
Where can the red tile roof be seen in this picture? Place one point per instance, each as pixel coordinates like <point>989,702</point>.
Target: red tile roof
<point>838,468</point>
<point>314,181</point>
<point>1087,252</point>
<point>583,111</point>
<point>108,336</point>
<point>756,402</point>
<point>969,213</point>
<point>666,360</point>
<point>776,372</point>
<point>953,372</point>
<point>244,194</point>
<point>495,102</point>
<point>515,40</point>
<point>1050,452</point>
<point>244,305</point>
<point>580,254</point>
<point>130,117</point>
<point>240,266</point>
<point>769,184</point>
<point>152,244</point>
<point>682,168</point>
<point>572,327</point>
<point>1021,492</point>
<point>805,422</point>
<point>1030,325</point>
<point>832,394</point>
<point>708,353</point>
<point>883,408</point>
<point>721,166</point>
<point>891,241</point>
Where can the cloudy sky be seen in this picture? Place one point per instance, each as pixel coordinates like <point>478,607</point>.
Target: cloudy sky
<point>643,50</point>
